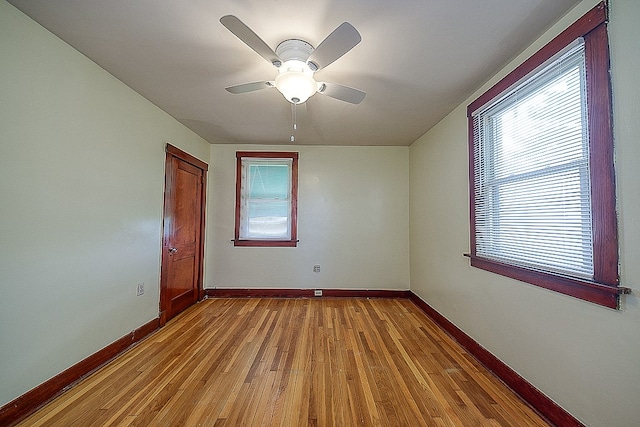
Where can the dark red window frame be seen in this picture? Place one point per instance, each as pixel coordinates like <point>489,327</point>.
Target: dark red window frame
<point>293,241</point>
<point>604,289</point>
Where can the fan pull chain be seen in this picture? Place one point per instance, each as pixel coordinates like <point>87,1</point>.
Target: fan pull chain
<point>293,120</point>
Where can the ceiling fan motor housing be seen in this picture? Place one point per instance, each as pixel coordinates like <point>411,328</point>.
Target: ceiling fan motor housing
<point>296,49</point>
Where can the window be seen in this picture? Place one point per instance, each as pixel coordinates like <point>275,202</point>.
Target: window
<point>541,169</point>
<point>266,198</point>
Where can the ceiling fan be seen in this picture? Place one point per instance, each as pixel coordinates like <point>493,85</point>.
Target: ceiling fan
<point>297,61</point>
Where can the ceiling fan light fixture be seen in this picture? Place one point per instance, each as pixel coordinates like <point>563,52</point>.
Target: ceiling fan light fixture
<point>295,81</point>
<point>297,61</point>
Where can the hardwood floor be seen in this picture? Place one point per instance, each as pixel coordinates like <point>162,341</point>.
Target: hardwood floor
<point>292,362</point>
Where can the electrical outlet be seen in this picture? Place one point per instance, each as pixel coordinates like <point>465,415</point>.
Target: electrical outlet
<point>140,289</point>
<point>316,268</point>
<point>317,293</point>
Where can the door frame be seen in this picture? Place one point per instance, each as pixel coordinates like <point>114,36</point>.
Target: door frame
<point>174,152</point>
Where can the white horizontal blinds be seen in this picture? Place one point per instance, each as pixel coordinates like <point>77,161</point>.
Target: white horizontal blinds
<point>532,189</point>
<point>265,198</point>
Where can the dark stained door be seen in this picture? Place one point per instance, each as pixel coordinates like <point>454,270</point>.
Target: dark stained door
<point>183,237</point>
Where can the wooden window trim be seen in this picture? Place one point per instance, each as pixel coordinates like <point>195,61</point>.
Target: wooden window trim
<point>293,241</point>
<point>604,290</point>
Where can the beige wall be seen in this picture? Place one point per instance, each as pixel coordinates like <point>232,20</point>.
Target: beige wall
<point>81,185</point>
<point>583,356</point>
<point>353,220</point>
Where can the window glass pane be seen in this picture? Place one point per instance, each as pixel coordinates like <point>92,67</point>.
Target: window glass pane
<point>540,222</point>
<point>268,219</point>
<point>269,181</point>
<point>543,129</point>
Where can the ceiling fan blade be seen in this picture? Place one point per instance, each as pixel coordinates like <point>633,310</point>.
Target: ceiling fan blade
<point>249,87</point>
<point>343,93</point>
<point>340,41</point>
<point>251,39</point>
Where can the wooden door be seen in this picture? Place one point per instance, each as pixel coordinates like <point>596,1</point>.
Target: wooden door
<point>183,233</point>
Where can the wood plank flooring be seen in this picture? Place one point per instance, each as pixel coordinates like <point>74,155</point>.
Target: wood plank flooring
<point>292,362</point>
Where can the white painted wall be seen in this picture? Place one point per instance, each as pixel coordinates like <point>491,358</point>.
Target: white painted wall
<point>583,356</point>
<point>353,220</point>
<point>81,195</point>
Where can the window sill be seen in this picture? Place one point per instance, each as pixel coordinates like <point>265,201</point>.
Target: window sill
<point>597,293</point>
<point>266,243</point>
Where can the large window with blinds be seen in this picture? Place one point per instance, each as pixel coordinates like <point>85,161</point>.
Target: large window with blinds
<point>532,197</point>
<point>266,199</point>
<point>541,169</point>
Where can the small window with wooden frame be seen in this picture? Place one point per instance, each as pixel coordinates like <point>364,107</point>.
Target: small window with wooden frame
<point>266,199</point>
<point>541,169</point>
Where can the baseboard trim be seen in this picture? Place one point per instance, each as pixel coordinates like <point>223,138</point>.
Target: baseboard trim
<point>534,397</point>
<point>25,405</point>
<point>303,293</point>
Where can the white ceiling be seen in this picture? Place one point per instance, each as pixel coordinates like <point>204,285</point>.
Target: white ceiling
<point>418,59</point>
